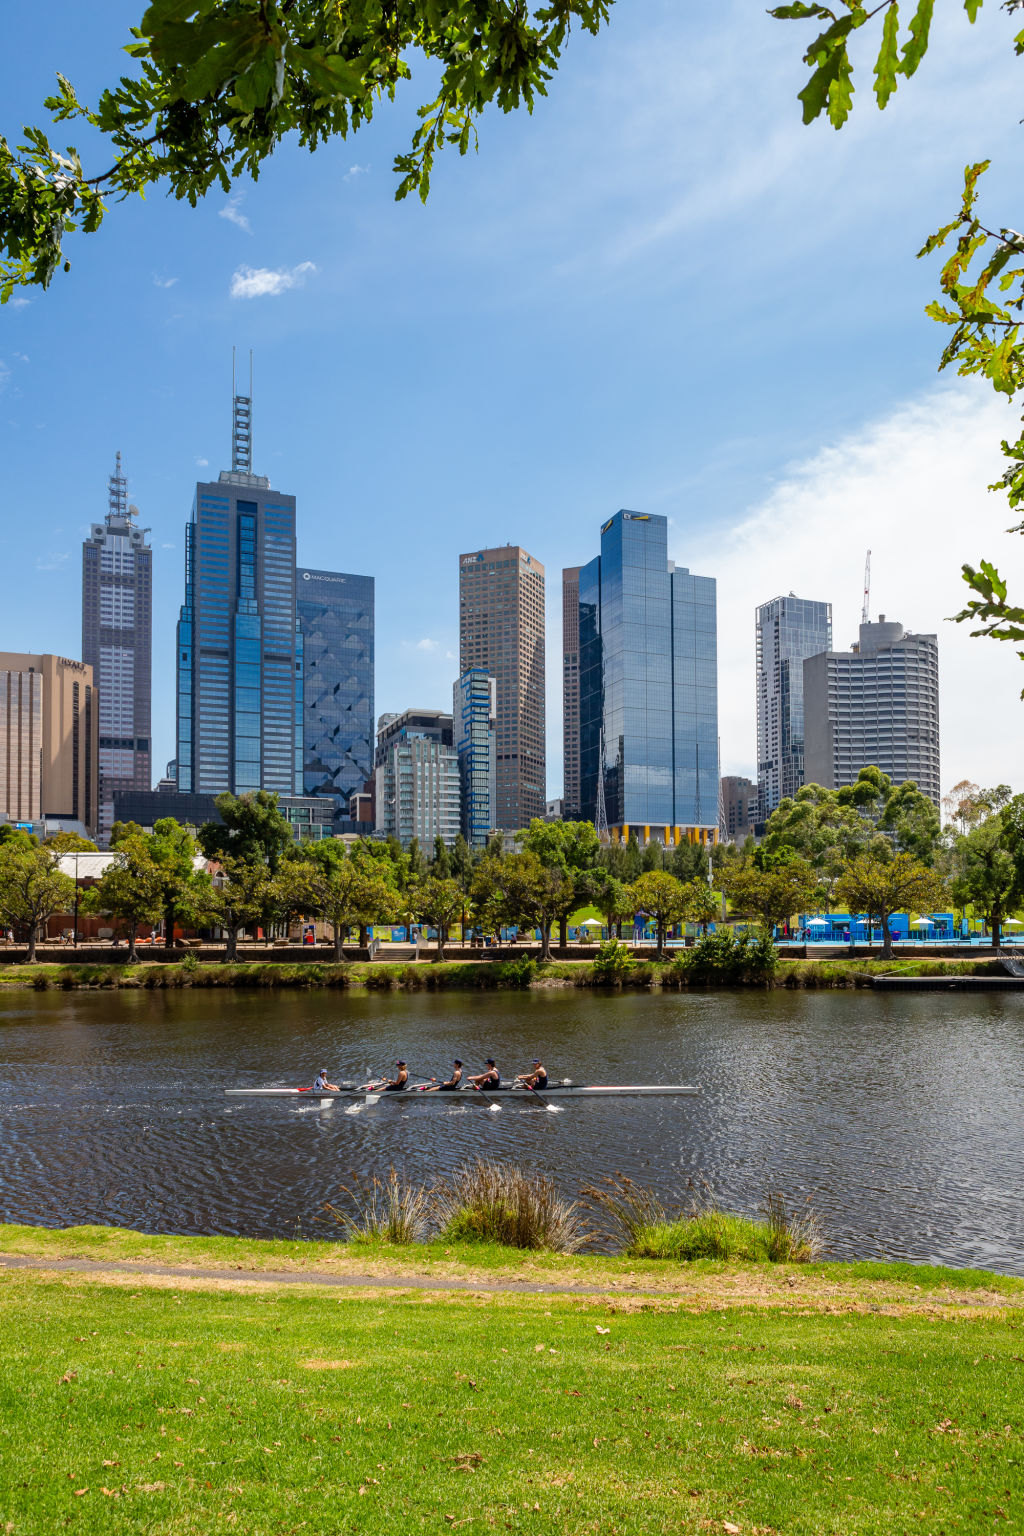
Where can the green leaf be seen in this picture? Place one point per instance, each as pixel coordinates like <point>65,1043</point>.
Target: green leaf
<point>972,7</point>
<point>887,62</point>
<point>917,44</point>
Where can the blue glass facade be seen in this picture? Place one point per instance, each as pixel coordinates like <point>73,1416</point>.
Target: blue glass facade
<point>648,687</point>
<point>474,739</point>
<point>336,624</point>
<point>239,657</point>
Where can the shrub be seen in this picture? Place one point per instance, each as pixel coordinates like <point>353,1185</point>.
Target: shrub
<point>486,1202</point>
<point>189,963</point>
<point>612,962</point>
<point>647,1229</point>
<point>725,957</point>
<point>389,1210</point>
<point>517,973</point>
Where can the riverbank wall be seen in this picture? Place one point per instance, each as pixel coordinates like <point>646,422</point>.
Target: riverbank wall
<point>521,974</point>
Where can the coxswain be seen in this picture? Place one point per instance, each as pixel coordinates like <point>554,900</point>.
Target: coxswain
<point>537,1079</point>
<point>396,1084</point>
<point>452,1085</point>
<point>490,1077</point>
<point>322,1085</point>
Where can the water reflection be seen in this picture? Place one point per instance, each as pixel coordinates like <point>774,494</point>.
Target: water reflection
<point>899,1118</point>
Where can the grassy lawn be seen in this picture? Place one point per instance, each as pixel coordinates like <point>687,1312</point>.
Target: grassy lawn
<point>179,1409</point>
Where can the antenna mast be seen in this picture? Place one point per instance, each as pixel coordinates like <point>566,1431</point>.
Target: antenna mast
<point>118,497</point>
<point>241,423</point>
<point>867,589</point>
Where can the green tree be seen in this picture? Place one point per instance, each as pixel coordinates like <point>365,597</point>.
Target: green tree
<point>661,896</point>
<point>982,281</point>
<point>615,901</point>
<point>570,850</point>
<point>881,887</point>
<point>441,863</point>
<point>218,84</point>
<point>239,895</point>
<point>173,849</point>
<point>700,904</point>
<point>251,828</point>
<point>527,893</point>
<point>32,888</point>
<point>131,889</point>
<point>775,895</point>
<point>987,877</point>
<point>416,862</point>
<point>439,902</point>
<point>70,842</point>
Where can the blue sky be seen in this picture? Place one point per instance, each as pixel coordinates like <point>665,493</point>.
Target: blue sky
<point>660,292</point>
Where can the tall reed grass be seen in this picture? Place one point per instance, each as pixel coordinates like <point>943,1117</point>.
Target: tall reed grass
<point>637,1220</point>
<point>492,1202</point>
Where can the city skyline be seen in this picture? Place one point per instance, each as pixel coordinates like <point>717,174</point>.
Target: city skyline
<point>779,484</point>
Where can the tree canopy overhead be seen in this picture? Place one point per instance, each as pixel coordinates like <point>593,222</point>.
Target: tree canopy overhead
<point>219,84</point>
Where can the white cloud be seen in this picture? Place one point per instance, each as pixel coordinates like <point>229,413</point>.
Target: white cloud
<point>5,374</point>
<point>232,212</point>
<point>51,562</point>
<point>167,546</point>
<point>163,282</point>
<point>20,302</point>
<point>262,282</point>
<point>202,463</point>
<point>426,645</point>
<point>911,487</point>
<point>354,171</point>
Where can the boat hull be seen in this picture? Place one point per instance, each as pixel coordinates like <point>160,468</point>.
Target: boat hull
<point>556,1091</point>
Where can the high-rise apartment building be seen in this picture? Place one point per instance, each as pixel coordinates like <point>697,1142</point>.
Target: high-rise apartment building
<point>474,720</point>
<point>239,657</point>
<point>740,802</point>
<point>501,632</point>
<point>335,613</point>
<point>416,778</point>
<point>876,704</point>
<point>648,688</point>
<point>788,630</point>
<point>49,763</point>
<point>117,642</point>
<point>571,692</point>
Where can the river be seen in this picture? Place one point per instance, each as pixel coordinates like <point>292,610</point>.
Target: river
<point>899,1119</point>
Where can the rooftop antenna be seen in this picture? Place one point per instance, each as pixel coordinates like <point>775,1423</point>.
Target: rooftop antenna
<point>241,422</point>
<point>867,589</point>
<point>118,488</point>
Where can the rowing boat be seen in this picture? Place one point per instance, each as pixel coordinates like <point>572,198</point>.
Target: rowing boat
<point>564,1090</point>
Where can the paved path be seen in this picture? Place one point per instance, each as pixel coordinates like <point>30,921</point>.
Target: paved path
<point>315,1277</point>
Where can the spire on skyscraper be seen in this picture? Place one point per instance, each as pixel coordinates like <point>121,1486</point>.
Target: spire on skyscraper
<point>241,423</point>
<point>118,491</point>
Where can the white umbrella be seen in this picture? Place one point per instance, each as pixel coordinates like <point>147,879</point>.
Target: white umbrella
<point>592,922</point>
<point>1015,921</point>
<point>818,922</point>
<point>922,922</point>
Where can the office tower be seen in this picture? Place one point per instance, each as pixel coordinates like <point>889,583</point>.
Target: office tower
<point>501,632</point>
<point>49,763</point>
<point>740,801</point>
<point>239,658</point>
<point>416,778</point>
<point>876,704</point>
<point>648,689</point>
<point>117,638</point>
<point>571,692</point>
<point>474,718</point>
<point>788,630</point>
<point>335,613</point>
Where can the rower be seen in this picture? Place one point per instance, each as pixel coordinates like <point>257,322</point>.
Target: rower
<point>537,1079</point>
<point>322,1085</point>
<point>453,1083</point>
<point>489,1078</point>
<point>396,1084</point>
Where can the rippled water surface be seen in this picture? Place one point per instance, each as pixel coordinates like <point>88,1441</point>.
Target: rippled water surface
<point>899,1118</point>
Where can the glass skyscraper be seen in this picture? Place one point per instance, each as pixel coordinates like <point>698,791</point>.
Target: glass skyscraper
<point>474,715</point>
<point>239,657</point>
<point>117,639</point>
<point>648,688</point>
<point>789,629</point>
<point>335,613</point>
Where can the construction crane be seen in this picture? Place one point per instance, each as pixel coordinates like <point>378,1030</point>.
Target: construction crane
<point>867,589</point>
